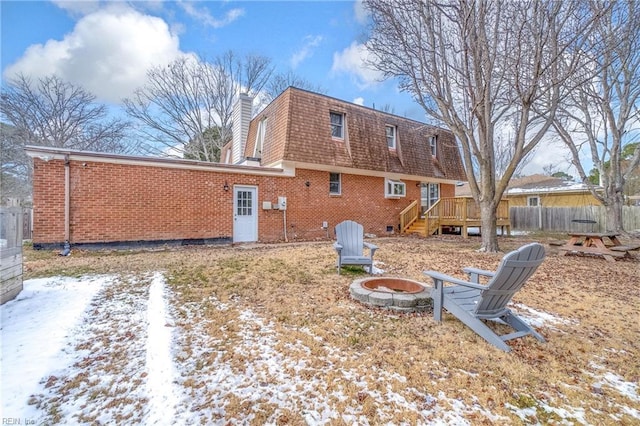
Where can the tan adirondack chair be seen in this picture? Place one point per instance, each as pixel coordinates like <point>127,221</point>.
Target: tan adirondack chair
<point>472,302</point>
<point>350,245</point>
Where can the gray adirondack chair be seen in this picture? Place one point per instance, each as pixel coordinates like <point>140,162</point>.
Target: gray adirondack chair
<point>472,302</point>
<point>350,245</point>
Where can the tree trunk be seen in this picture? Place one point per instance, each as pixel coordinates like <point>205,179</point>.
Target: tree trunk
<point>488,230</point>
<point>614,215</point>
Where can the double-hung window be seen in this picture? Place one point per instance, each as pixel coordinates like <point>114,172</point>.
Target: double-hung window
<point>391,132</point>
<point>533,201</point>
<point>335,188</point>
<point>433,145</point>
<point>337,125</point>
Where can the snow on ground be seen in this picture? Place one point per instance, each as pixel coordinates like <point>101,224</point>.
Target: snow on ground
<point>107,349</point>
<point>160,367</point>
<point>36,329</point>
<point>537,318</point>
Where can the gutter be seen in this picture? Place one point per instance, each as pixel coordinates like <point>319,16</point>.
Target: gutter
<point>49,153</point>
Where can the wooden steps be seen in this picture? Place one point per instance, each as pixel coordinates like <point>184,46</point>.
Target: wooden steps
<point>417,227</point>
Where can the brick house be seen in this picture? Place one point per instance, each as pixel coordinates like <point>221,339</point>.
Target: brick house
<point>302,165</point>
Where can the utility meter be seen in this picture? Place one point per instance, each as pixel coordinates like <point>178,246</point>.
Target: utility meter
<point>282,202</point>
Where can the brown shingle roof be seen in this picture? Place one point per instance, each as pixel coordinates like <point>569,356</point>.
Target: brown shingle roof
<point>299,130</point>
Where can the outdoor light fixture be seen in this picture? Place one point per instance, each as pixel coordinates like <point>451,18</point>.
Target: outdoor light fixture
<point>226,186</point>
<point>307,184</point>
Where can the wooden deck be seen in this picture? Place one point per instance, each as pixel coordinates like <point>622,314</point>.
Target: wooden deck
<point>447,213</point>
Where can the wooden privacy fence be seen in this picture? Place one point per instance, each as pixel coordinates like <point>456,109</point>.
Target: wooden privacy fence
<point>570,219</point>
<point>27,223</point>
<point>10,252</point>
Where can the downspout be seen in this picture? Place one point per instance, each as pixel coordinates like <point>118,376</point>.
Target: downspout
<point>284,219</point>
<point>67,200</point>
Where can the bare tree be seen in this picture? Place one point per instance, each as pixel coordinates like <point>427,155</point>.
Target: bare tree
<point>15,180</point>
<point>388,108</point>
<point>480,66</point>
<point>601,114</point>
<point>280,82</point>
<point>52,112</point>
<point>187,106</point>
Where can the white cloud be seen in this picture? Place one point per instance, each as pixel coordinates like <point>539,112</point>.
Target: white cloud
<point>108,52</point>
<point>554,153</point>
<point>78,7</point>
<point>310,43</point>
<point>353,60</point>
<point>359,100</point>
<point>362,14</point>
<point>203,15</point>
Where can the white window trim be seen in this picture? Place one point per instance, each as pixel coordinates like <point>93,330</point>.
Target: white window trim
<point>433,145</point>
<point>533,197</point>
<point>339,184</point>
<point>342,125</point>
<point>394,129</point>
<point>257,149</point>
<point>390,186</point>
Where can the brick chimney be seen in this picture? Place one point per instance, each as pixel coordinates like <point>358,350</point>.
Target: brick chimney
<point>241,118</point>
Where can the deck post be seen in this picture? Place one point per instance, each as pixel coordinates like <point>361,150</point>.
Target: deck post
<point>465,233</point>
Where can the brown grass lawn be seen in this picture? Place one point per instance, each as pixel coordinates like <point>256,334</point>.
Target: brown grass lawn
<point>352,357</point>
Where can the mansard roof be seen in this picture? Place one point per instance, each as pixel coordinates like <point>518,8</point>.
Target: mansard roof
<point>298,130</point>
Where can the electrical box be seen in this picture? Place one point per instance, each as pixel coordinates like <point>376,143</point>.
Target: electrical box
<point>325,225</point>
<point>282,202</point>
<point>266,205</point>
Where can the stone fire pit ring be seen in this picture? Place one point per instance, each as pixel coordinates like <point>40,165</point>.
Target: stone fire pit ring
<point>399,294</point>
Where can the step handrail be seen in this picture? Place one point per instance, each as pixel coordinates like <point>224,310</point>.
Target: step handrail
<point>409,215</point>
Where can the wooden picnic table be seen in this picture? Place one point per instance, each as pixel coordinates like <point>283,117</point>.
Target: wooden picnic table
<point>605,244</point>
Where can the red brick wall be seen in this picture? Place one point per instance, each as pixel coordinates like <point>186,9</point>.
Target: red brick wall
<point>121,203</point>
<point>48,201</point>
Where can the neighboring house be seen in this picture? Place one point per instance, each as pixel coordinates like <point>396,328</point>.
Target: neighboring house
<point>304,164</point>
<point>540,190</point>
<point>549,191</point>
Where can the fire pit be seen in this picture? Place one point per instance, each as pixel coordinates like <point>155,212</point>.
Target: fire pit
<point>398,294</point>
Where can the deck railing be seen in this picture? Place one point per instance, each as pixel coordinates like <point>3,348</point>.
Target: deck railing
<point>409,215</point>
<point>460,212</point>
<point>463,209</point>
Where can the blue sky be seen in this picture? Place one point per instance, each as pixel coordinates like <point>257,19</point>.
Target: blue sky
<point>106,46</point>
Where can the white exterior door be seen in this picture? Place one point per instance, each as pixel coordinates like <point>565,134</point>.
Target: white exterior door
<point>245,214</point>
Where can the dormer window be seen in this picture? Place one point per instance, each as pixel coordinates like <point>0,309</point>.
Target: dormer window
<point>433,144</point>
<point>262,126</point>
<point>391,136</point>
<point>394,188</point>
<point>337,125</point>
